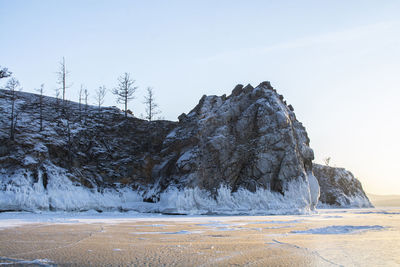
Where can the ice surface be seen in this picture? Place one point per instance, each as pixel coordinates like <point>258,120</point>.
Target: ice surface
<point>216,224</point>
<point>225,229</point>
<point>182,232</point>
<point>145,233</point>
<point>339,229</point>
<point>153,225</point>
<point>278,222</point>
<point>378,212</point>
<point>279,227</point>
<point>335,242</point>
<point>219,226</point>
<point>16,262</point>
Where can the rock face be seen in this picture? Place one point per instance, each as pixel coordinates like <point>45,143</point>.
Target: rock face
<point>249,140</point>
<point>339,188</point>
<point>245,153</point>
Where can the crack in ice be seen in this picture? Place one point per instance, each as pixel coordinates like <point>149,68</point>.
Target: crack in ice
<point>65,246</point>
<point>307,249</point>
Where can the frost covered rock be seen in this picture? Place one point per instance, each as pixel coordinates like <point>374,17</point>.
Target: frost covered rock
<point>84,158</point>
<point>240,154</point>
<point>249,140</point>
<point>339,188</point>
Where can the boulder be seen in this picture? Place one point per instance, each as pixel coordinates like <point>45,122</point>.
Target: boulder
<point>339,188</point>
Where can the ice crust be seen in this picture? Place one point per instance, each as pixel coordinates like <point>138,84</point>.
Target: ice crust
<point>340,229</point>
<point>16,262</point>
<point>21,192</point>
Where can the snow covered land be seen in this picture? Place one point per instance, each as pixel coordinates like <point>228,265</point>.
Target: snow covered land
<point>240,154</point>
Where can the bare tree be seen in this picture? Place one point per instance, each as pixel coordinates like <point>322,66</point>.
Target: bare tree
<point>13,86</point>
<point>151,105</point>
<point>80,101</point>
<point>62,78</point>
<point>57,91</point>
<point>4,73</point>
<point>86,95</point>
<point>100,94</point>
<point>327,160</point>
<point>125,90</point>
<point>41,90</point>
<point>69,142</point>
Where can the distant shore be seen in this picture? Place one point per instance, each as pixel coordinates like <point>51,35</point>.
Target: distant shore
<point>384,200</point>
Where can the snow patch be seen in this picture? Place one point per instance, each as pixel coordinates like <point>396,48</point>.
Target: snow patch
<point>172,134</point>
<point>29,160</point>
<point>339,229</point>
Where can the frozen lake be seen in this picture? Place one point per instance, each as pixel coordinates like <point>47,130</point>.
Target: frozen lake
<point>331,237</point>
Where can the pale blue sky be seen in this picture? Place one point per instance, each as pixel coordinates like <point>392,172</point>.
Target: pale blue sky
<point>336,62</point>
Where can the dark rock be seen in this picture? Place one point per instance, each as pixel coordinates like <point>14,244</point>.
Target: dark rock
<point>182,117</point>
<point>248,88</point>
<point>340,188</point>
<point>237,90</point>
<point>266,85</point>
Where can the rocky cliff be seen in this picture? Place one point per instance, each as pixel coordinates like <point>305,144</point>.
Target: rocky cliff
<point>339,188</point>
<point>243,153</point>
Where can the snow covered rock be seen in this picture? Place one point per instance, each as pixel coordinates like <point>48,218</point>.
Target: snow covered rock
<point>240,154</point>
<point>249,140</point>
<point>339,188</point>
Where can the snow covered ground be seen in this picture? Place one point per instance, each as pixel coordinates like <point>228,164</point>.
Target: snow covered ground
<point>329,237</point>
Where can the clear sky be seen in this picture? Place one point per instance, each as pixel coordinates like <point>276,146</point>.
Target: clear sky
<point>336,62</point>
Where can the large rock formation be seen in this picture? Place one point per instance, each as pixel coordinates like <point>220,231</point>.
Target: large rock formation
<point>339,188</point>
<point>250,139</point>
<point>245,153</point>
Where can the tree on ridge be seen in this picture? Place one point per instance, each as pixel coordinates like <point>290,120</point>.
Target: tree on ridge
<point>62,78</point>
<point>151,105</point>
<point>100,94</point>
<point>41,90</point>
<point>125,90</point>
<point>13,86</point>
